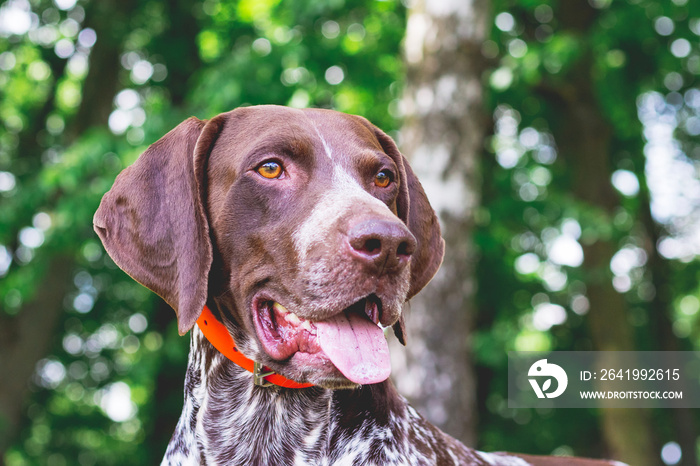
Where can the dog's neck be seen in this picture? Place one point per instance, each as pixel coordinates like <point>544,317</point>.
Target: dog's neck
<point>228,420</point>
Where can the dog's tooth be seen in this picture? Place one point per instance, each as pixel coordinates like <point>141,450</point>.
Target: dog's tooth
<point>279,308</point>
<point>292,318</point>
<point>306,325</point>
<point>372,310</point>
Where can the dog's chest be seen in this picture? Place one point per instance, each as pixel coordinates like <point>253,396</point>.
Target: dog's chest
<point>265,427</point>
<point>226,420</point>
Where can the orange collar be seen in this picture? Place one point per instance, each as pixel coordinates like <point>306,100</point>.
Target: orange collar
<point>218,336</point>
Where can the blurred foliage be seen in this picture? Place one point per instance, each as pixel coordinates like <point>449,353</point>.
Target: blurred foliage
<point>111,389</point>
<point>642,61</point>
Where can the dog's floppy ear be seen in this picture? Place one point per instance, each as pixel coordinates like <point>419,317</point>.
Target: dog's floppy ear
<point>414,209</point>
<point>153,222</point>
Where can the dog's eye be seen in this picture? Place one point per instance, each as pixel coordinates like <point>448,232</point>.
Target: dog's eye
<point>270,170</point>
<point>383,178</point>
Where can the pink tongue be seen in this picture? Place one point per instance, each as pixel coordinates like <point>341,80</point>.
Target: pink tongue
<point>356,346</point>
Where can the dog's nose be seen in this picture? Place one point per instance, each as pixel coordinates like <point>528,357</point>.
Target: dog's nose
<point>381,243</point>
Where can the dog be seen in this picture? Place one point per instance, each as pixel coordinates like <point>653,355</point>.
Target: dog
<point>286,240</point>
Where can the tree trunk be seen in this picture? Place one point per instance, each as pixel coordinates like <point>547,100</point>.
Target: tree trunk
<point>24,340</point>
<point>585,145</point>
<point>442,138</point>
<point>584,138</point>
<point>660,313</point>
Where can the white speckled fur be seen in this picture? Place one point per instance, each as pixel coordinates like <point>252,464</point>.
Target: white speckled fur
<point>226,420</point>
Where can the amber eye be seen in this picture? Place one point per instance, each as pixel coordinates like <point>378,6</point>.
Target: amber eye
<point>383,178</point>
<point>270,170</point>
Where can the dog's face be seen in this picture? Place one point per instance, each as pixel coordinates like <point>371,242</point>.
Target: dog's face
<point>305,231</point>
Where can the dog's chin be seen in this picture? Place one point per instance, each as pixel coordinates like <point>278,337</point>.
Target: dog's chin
<point>316,369</point>
<point>344,351</point>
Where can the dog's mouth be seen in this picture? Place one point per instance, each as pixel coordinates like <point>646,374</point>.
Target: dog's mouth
<point>352,340</point>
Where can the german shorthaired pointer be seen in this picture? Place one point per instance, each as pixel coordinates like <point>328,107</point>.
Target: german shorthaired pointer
<point>299,234</point>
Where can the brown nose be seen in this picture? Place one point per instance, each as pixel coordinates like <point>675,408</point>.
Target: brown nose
<point>383,244</point>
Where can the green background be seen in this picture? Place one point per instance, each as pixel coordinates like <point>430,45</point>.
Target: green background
<point>74,112</point>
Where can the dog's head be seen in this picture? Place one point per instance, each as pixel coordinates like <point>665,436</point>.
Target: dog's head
<point>303,229</point>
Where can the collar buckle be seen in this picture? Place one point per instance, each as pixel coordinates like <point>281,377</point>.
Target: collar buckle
<point>218,335</point>
<point>259,375</point>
